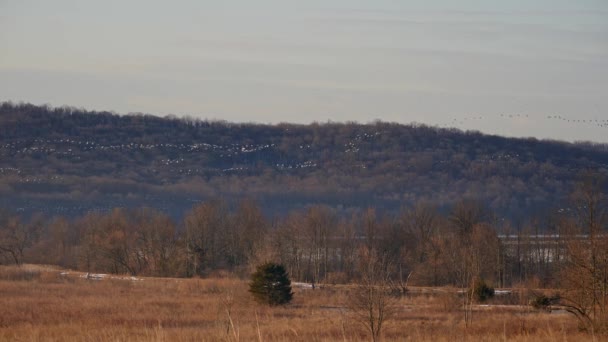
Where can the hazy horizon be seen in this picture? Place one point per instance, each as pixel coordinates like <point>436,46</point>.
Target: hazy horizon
<point>511,68</point>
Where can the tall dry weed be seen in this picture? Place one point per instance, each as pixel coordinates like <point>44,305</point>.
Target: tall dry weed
<point>52,307</point>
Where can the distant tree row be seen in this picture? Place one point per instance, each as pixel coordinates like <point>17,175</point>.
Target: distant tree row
<point>419,245</point>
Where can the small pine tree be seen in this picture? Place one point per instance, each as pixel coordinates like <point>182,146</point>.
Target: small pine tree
<point>270,284</point>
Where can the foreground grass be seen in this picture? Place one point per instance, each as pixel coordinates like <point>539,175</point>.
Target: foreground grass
<point>41,304</point>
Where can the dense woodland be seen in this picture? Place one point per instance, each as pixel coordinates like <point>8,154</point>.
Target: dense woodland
<point>67,161</point>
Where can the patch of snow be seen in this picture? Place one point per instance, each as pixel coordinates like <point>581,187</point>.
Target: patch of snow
<point>94,276</point>
<point>101,276</point>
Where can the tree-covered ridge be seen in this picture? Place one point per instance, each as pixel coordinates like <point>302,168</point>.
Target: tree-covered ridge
<point>86,160</point>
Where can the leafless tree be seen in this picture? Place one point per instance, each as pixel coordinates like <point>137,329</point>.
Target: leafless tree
<point>157,246</point>
<point>585,275</point>
<point>371,301</point>
<point>287,240</point>
<point>16,236</point>
<point>319,222</point>
<point>466,214</point>
<point>246,235</point>
<point>420,226</point>
<point>206,225</point>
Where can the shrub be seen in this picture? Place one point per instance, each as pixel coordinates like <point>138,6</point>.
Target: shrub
<point>482,291</point>
<point>270,284</point>
<point>543,302</point>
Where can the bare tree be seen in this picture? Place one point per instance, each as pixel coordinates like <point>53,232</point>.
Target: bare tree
<point>287,240</point>
<point>319,221</point>
<point>347,248</point>
<point>371,301</point>
<point>246,235</point>
<point>16,236</point>
<point>421,223</point>
<point>89,228</point>
<point>55,244</point>
<point>466,214</point>
<point>585,274</point>
<point>370,229</point>
<point>59,231</point>
<point>157,246</point>
<point>469,259</point>
<point>116,242</point>
<point>420,226</point>
<point>205,228</point>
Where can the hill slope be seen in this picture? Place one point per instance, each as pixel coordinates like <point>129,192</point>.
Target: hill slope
<point>67,161</point>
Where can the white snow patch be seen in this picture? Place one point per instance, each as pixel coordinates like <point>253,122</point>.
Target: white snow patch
<point>94,276</point>
<point>101,276</point>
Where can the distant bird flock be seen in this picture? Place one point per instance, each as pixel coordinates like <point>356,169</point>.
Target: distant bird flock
<point>601,123</point>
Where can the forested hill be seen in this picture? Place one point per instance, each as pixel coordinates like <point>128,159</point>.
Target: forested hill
<point>67,161</point>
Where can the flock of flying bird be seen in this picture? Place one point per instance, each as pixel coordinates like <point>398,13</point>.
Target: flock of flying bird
<point>601,123</point>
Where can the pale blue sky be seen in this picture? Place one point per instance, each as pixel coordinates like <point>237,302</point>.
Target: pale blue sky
<point>445,63</point>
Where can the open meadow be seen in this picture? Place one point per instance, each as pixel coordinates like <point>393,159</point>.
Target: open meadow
<point>48,304</point>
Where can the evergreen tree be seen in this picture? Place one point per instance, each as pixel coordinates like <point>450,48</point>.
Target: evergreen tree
<point>270,284</point>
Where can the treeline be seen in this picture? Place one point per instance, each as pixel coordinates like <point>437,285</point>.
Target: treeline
<point>68,161</point>
<point>420,244</point>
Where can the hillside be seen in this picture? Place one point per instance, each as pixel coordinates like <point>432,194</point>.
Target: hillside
<point>68,161</point>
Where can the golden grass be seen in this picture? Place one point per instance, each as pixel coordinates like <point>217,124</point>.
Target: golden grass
<point>53,307</point>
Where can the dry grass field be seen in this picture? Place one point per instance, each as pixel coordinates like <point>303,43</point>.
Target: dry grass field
<point>46,304</point>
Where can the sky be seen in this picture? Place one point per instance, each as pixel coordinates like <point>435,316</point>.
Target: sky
<point>525,68</point>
